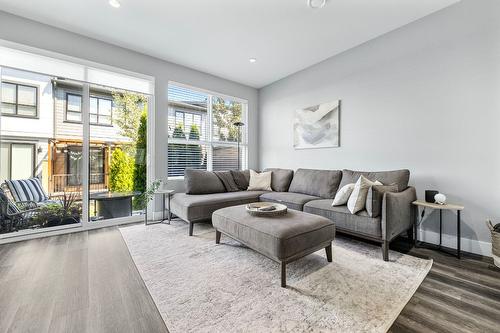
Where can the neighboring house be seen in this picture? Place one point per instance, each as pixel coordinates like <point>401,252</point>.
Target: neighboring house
<point>187,114</point>
<point>27,125</point>
<point>41,131</point>
<point>66,148</point>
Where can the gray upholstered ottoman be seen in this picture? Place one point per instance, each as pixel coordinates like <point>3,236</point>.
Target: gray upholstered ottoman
<point>281,238</point>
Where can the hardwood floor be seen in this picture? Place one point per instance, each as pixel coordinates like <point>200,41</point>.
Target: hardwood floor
<point>80,282</point>
<point>87,282</point>
<point>456,296</point>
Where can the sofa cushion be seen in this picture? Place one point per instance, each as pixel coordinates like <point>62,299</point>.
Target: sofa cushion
<point>291,200</point>
<point>241,178</point>
<point>194,208</point>
<point>398,177</point>
<point>359,223</point>
<point>320,183</point>
<point>279,237</point>
<point>280,179</point>
<point>375,196</point>
<point>202,182</point>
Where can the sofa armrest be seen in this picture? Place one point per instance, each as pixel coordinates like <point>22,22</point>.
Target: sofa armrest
<point>398,213</point>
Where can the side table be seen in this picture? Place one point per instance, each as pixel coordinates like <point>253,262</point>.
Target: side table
<point>166,195</point>
<point>458,208</point>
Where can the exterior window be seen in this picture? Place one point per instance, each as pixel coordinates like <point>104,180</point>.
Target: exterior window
<point>74,165</point>
<point>201,131</point>
<point>100,109</point>
<point>18,161</point>
<point>19,100</point>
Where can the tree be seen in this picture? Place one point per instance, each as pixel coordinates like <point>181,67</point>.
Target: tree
<point>225,115</point>
<point>127,112</point>
<point>140,156</point>
<point>194,158</point>
<point>121,171</point>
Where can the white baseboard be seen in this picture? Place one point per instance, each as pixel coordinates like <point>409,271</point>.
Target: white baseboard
<point>467,245</point>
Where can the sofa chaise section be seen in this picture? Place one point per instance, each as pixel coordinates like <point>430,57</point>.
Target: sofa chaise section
<point>199,208</point>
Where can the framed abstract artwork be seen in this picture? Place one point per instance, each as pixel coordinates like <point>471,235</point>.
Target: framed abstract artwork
<point>317,126</point>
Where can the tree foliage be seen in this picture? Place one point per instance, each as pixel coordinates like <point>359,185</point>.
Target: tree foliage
<point>121,173</point>
<point>225,114</point>
<point>140,156</point>
<point>128,108</point>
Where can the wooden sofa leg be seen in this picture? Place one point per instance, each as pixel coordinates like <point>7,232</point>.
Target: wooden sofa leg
<point>191,225</point>
<point>217,237</point>
<point>328,251</point>
<point>385,250</point>
<point>283,274</point>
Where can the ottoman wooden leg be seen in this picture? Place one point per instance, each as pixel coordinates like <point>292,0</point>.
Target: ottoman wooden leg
<point>217,237</point>
<point>328,251</point>
<point>191,225</point>
<point>283,274</point>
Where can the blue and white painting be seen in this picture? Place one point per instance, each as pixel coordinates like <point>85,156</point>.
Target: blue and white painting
<point>317,126</point>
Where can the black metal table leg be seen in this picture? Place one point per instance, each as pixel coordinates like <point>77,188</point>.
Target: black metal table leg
<point>458,234</point>
<point>169,211</point>
<point>163,208</point>
<point>440,228</point>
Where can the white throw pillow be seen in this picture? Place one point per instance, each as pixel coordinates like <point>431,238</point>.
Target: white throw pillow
<point>357,200</point>
<point>343,195</point>
<point>260,181</point>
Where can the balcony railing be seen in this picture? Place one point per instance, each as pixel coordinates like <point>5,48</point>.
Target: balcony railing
<point>71,183</point>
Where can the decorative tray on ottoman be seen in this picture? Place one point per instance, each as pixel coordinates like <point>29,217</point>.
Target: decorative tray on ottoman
<point>266,209</point>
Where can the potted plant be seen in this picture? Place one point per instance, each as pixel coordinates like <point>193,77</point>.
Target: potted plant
<point>67,211</point>
<point>147,196</point>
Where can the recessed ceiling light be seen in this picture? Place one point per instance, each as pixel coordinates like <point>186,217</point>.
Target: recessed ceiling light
<point>252,60</point>
<point>114,3</point>
<point>316,3</point>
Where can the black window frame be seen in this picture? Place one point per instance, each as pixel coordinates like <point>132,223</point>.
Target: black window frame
<point>16,104</point>
<point>90,113</point>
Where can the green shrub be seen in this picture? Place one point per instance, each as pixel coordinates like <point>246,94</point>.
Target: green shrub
<point>140,159</point>
<point>121,173</point>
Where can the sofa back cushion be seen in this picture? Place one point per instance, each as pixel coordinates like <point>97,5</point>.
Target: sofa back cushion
<point>202,182</point>
<point>397,177</point>
<point>241,178</point>
<point>280,179</point>
<point>320,183</point>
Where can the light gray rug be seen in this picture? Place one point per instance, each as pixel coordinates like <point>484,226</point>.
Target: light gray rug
<point>199,286</point>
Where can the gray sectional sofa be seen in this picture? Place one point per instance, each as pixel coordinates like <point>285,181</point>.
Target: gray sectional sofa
<point>307,190</point>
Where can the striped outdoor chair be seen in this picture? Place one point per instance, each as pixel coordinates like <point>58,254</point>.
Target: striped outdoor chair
<point>25,190</point>
<point>15,216</point>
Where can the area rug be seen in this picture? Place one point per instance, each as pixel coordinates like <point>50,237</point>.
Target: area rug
<point>199,286</point>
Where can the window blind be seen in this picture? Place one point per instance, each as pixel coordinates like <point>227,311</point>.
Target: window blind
<point>201,131</point>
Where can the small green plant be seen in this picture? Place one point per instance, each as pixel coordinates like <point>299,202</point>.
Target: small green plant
<point>68,211</point>
<point>149,193</point>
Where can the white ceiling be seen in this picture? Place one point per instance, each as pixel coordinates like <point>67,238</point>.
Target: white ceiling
<point>219,36</point>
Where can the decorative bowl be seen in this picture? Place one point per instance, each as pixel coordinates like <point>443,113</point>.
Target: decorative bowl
<point>266,209</point>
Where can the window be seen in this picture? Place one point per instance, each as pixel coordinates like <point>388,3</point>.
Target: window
<point>100,109</point>
<point>19,99</point>
<point>202,134</point>
<point>18,160</point>
<point>74,165</point>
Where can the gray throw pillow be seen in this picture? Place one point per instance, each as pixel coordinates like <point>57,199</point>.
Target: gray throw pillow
<point>375,197</point>
<point>280,179</point>
<point>202,182</point>
<point>227,179</point>
<point>241,178</point>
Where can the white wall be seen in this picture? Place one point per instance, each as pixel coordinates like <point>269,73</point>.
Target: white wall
<point>20,30</point>
<point>43,125</point>
<point>424,97</point>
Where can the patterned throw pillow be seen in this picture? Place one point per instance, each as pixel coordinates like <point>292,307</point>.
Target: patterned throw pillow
<point>342,196</point>
<point>357,200</point>
<point>27,190</point>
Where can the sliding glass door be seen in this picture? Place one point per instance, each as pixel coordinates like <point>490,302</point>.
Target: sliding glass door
<point>73,144</point>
